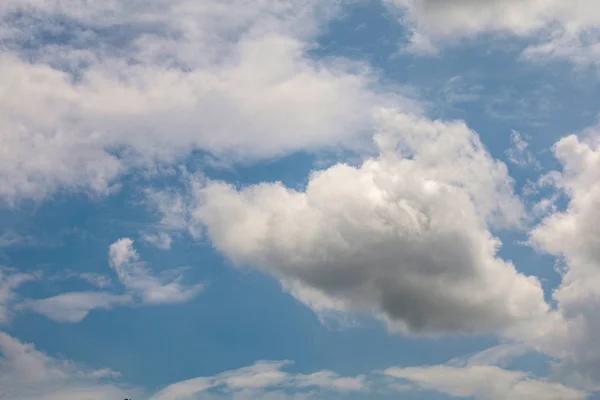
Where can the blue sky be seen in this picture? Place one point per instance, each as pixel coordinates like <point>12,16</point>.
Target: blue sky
<point>288,199</point>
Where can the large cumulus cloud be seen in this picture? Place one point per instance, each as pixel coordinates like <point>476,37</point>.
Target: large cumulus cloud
<point>405,235</point>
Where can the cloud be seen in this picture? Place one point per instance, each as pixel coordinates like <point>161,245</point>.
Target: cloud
<point>457,91</point>
<point>264,379</point>
<point>403,236</point>
<point>136,278</point>
<point>8,239</point>
<point>484,382</point>
<point>160,240</point>
<point>501,355</point>
<point>553,28</point>
<point>267,379</point>
<point>74,306</point>
<point>519,153</point>
<point>141,288</point>
<point>573,235</point>
<point>484,376</point>
<point>28,374</point>
<point>127,87</point>
<point>175,210</point>
<point>98,280</point>
<point>9,281</point>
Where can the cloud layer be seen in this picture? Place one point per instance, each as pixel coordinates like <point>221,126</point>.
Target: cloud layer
<point>551,28</point>
<point>107,87</point>
<point>484,383</point>
<point>28,374</point>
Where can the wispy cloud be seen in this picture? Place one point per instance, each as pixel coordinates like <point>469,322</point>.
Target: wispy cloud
<point>558,30</point>
<point>10,280</point>
<point>141,288</point>
<point>519,154</point>
<point>138,280</point>
<point>29,374</point>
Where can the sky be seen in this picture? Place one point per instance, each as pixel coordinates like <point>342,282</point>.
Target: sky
<point>299,199</point>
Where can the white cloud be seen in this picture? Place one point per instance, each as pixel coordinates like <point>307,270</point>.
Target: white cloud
<point>28,374</point>
<point>160,240</point>
<point>142,288</point>
<point>457,91</point>
<point>403,236</point>
<point>262,380</point>
<point>556,29</point>
<point>8,239</point>
<point>74,306</point>
<point>519,154</point>
<point>573,235</point>
<point>9,281</point>
<point>100,281</point>
<point>128,87</point>
<point>134,275</point>
<point>484,382</point>
<point>175,210</point>
<point>484,376</point>
<point>500,355</point>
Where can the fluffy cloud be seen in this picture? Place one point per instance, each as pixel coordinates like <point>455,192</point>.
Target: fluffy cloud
<point>573,235</point>
<point>404,235</point>
<point>556,29</point>
<point>109,87</point>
